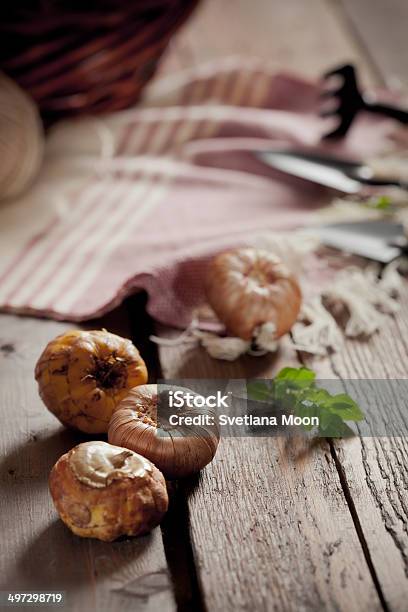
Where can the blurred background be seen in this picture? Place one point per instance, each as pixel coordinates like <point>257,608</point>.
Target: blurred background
<point>96,57</point>
<point>306,37</point>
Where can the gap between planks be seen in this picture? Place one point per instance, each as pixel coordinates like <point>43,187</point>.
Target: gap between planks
<point>388,562</point>
<point>175,527</point>
<point>351,505</point>
<point>375,468</point>
<point>38,552</point>
<point>260,481</point>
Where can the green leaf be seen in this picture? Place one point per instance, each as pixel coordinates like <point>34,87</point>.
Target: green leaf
<point>332,426</point>
<point>346,408</point>
<point>259,391</point>
<point>305,399</point>
<point>305,408</point>
<point>295,391</point>
<point>316,395</point>
<point>300,377</point>
<point>289,382</point>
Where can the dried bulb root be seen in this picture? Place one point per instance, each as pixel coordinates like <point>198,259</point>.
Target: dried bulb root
<point>103,491</point>
<point>83,375</point>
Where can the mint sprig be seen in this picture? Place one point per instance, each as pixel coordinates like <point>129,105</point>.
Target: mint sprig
<point>295,390</point>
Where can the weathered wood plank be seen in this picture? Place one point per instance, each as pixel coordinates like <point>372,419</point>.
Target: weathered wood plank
<point>382,29</point>
<point>375,468</point>
<point>38,551</point>
<point>270,527</point>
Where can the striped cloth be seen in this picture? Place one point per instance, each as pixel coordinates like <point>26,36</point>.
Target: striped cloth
<point>142,198</point>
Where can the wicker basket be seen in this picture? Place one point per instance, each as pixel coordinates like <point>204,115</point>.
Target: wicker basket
<point>91,59</point>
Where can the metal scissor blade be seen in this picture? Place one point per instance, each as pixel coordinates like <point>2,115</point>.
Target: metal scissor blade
<point>375,240</point>
<point>329,172</point>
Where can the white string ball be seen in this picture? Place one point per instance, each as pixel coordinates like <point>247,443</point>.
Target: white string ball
<point>21,139</point>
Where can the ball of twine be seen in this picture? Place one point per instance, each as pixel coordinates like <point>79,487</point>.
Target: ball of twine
<point>21,139</point>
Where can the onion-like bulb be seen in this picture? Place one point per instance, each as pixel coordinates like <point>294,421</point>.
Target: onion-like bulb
<point>83,375</point>
<point>102,491</point>
<point>142,423</point>
<point>250,287</point>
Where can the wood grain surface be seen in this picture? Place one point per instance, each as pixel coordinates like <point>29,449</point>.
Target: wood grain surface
<point>375,469</point>
<point>268,525</point>
<point>37,551</point>
<point>269,514</point>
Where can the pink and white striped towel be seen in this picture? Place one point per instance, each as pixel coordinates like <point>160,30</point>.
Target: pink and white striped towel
<point>142,198</point>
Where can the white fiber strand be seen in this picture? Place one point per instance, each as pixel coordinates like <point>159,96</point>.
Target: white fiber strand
<point>364,297</point>
<point>227,348</point>
<point>265,338</point>
<point>391,279</point>
<point>316,331</point>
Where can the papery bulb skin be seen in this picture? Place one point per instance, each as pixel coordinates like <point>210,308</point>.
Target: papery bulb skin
<point>249,287</point>
<point>142,423</point>
<point>83,375</point>
<point>103,491</point>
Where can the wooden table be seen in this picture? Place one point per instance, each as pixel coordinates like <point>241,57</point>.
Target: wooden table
<point>264,527</point>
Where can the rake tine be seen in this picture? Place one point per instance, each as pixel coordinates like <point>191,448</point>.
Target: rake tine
<point>329,113</point>
<point>341,130</point>
<point>344,70</point>
<point>326,94</point>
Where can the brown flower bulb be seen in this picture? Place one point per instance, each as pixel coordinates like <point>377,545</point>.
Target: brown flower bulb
<point>145,423</point>
<point>83,375</point>
<point>250,287</point>
<point>103,491</point>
